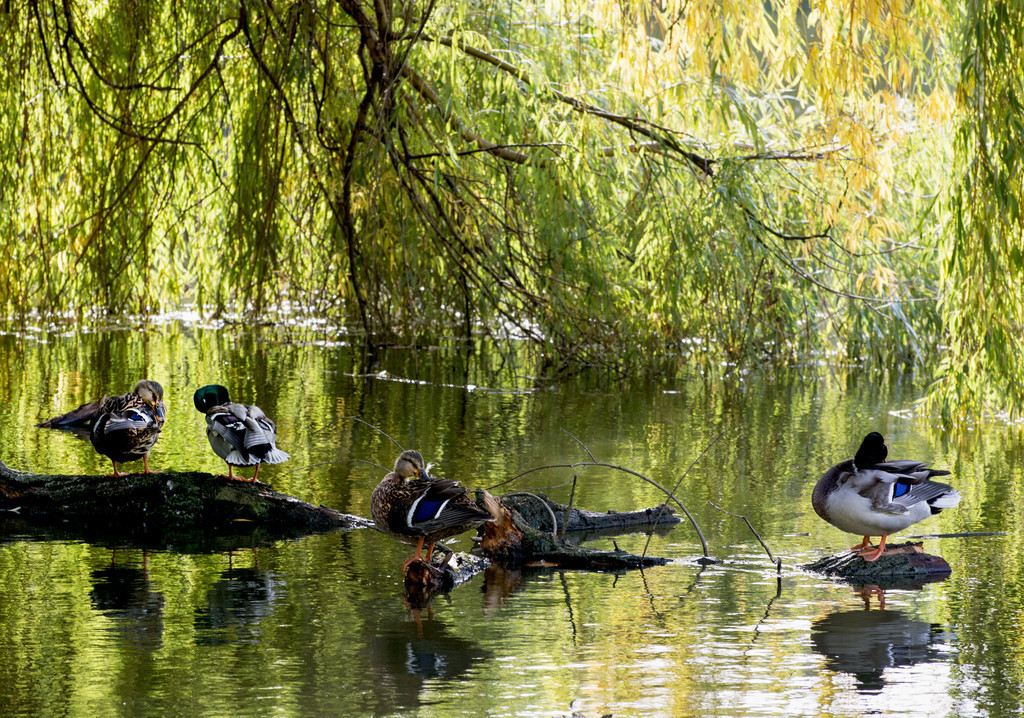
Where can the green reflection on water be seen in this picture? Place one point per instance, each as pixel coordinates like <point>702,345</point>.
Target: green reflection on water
<point>317,626</point>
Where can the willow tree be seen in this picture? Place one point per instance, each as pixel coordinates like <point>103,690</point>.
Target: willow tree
<point>631,184</point>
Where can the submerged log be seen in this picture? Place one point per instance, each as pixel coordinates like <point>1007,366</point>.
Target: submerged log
<point>900,564</point>
<point>169,499</point>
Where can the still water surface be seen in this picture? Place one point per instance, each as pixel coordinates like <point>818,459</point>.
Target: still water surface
<point>316,626</point>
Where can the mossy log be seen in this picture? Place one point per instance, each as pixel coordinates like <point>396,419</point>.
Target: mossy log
<point>900,565</point>
<point>172,499</point>
<point>538,511</point>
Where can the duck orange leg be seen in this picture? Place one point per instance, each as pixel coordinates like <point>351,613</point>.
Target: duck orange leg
<point>868,556</point>
<point>862,545</point>
<point>430,551</point>
<point>418,556</point>
<point>116,472</point>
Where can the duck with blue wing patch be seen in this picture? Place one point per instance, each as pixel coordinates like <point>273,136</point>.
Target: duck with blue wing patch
<point>869,496</point>
<point>411,506</point>
<point>124,428</point>
<point>241,435</point>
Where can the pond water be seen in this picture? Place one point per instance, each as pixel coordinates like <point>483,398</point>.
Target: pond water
<point>317,625</point>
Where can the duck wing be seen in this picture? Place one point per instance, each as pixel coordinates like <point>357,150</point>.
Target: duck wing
<point>935,493</point>
<point>261,436</point>
<point>225,428</point>
<point>441,504</point>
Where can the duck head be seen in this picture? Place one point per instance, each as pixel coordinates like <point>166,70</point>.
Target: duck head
<point>409,465</point>
<point>872,451</point>
<point>152,394</point>
<point>209,396</point>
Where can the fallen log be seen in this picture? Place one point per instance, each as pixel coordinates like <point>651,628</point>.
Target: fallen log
<point>900,565</point>
<point>172,499</point>
<point>538,511</point>
<point>513,540</point>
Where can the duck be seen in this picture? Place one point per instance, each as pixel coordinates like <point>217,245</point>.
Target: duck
<point>125,428</point>
<point>869,496</point>
<point>241,435</point>
<point>413,507</point>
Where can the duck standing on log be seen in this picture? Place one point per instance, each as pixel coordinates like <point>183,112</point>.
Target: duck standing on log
<point>412,507</point>
<point>124,428</point>
<point>241,435</point>
<point>869,496</point>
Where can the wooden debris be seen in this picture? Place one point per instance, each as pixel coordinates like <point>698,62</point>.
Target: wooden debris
<point>423,581</point>
<point>539,516</point>
<point>513,539</point>
<point>905,563</point>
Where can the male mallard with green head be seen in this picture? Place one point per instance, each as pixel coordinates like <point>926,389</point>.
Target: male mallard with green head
<point>126,427</point>
<point>869,496</point>
<point>411,506</point>
<point>241,435</point>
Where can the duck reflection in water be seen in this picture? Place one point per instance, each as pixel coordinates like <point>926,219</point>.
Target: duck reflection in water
<point>122,594</point>
<point>407,656</point>
<point>864,643</point>
<point>235,605</point>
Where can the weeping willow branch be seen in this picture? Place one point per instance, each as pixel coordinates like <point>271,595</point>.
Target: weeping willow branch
<point>704,164</point>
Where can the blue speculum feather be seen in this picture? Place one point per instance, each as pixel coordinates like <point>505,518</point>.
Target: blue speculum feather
<point>426,510</point>
<point>900,488</point>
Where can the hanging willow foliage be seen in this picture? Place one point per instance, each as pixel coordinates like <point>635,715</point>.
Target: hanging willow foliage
<point>628,184</point>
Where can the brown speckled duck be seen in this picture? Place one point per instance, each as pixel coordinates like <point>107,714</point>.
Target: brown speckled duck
<point>869,496</point>
<point>411,506</point>
<point>125,428</point>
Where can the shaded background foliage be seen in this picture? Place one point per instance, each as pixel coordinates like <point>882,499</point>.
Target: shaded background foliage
<point>641,187</point>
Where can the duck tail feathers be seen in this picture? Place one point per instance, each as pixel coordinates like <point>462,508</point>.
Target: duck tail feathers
<point>275,456</point>
<point>945,501</point>
<point>238,458</point>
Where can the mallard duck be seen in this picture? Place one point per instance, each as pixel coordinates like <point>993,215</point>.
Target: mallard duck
<point>869,496</point>
<point>411,506</point>
<point>126,427</point>
<point>241,435</point>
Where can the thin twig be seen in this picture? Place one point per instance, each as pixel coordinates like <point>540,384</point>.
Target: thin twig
<point>379,431</point>
<point>776,561</point>
<point>575,477</point>
<point>676,487</point>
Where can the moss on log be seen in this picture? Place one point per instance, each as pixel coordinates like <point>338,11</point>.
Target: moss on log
<point>901,565</point>
<point>524,532</point>
<point>538,510</point>
<point>187,499</point>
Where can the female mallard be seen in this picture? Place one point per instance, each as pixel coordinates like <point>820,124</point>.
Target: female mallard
<point>870,496</point>
<point>125,427</point>
<point>411,506</point>
<point>241,435</point>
